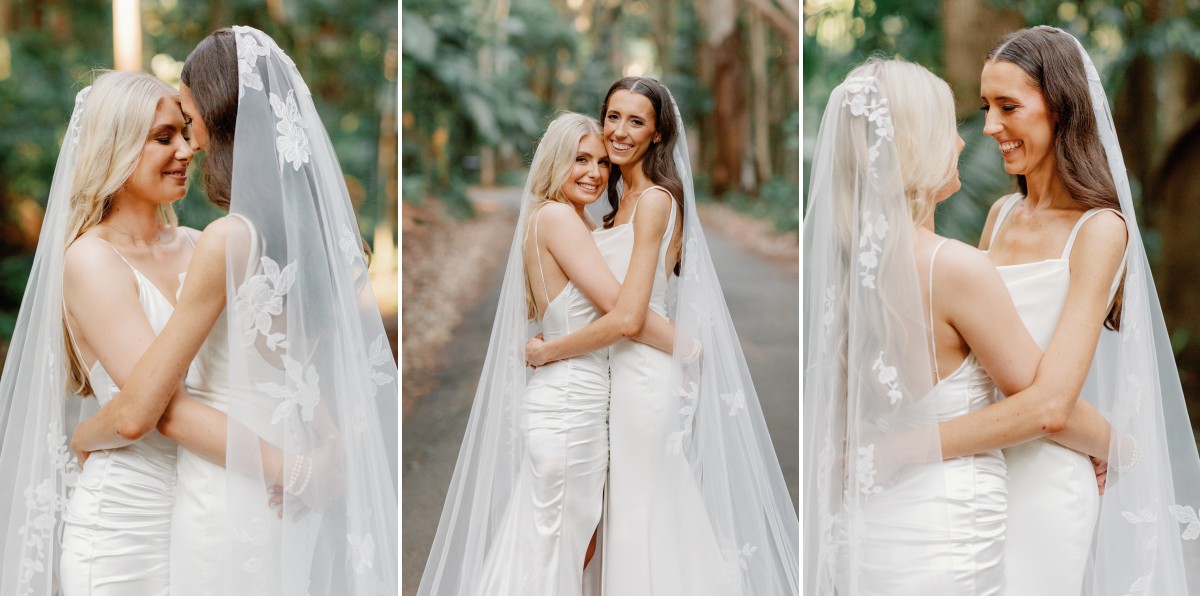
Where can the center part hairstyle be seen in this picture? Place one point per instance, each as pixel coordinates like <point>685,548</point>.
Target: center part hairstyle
<point>657,163</point>
<point>1052,63</point>
<point>552,163</point>
<point>115,120</point>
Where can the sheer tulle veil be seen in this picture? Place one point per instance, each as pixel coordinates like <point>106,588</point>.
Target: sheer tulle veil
<point>38,411</point>
<point>310,368</point>
<point>1147,537</point>
<point>719,431</point>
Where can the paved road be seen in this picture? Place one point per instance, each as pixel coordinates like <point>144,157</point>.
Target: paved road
<point>764,303</point>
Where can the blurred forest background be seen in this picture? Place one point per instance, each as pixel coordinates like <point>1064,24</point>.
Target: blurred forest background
<point>1148,54</point>
<point>347,51</point>
<point>483,78</point>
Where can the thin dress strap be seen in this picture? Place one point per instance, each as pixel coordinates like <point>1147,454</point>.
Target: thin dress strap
<point>1116,282</point>
<point>1079,224</point>
<point>639,199</point>
<point>932,335</point>
<point>114,249</point>
<point>537,251</point>
<point>1004,209</point>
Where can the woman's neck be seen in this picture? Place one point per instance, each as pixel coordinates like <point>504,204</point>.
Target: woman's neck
<point>635,178</point>
<point>137,221</point>
<point>1045,190</point>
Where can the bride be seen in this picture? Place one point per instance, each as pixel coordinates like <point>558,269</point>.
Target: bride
<point>696,502</point>
<point>295,364</point>
<point>543,517</point>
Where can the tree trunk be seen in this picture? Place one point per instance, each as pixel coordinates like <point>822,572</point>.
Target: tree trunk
<point>761,96</point>
<point>970,28</point>
<point>730,116</point>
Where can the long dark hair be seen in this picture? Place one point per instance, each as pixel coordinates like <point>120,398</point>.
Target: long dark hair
<point>659,161</point>
<point>211,72</point>
<point>1052,63</point>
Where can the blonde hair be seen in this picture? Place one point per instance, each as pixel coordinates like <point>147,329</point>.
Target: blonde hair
<point>926,130</point>
<point>114,122</point>
<point>552,163</point>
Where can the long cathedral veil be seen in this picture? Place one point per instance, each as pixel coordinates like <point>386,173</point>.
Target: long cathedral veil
<point>874,495</point>
<point>310,367</point>
<point>38,411</point>
<point>1147,538</point>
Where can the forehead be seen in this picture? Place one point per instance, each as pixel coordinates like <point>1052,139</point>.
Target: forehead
<point>1000,78</point>
<point>168,111</point>
<point>591,144</point>
<point>628,102</point>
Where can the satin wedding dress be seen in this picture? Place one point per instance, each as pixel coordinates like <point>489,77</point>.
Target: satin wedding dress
<point>903,525</point>
<point>650,547</point>
<point>1053,499</point>
<point>117,525</point>
<point>544,533</point>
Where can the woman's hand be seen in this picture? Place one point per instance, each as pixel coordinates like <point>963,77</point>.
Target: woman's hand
<point>80,454</point>
<point>535,351</point>
<point>1101,468</point>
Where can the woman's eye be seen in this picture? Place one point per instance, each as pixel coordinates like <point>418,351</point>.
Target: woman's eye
<point>580,160</point>
<point>984,108</point>
<point>1009,108</point>
<point>164,140</point>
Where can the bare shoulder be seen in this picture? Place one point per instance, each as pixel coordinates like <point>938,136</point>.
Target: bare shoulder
<point>985,237</point>
<point>90,267</point>
<point>557,213</point>
<point>1104,228</point>
<point>964,268</point>
<point>90,256</point>
<point>653,211</point>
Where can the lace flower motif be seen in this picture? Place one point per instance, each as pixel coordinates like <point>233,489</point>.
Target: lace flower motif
<point>362,552</point>
<point>292,142</point>
<point>260,299</point>
<point>76,115</point>
<point>301,391</point>
<point>874,230</point>
<point>866,470</point>
<point>887,376</point>
<point>248,51</point>
<point>862,98</point>
<point>1186,515</point>
<point>378,355</point>
<point>688,411</point>
<point>736,401</point>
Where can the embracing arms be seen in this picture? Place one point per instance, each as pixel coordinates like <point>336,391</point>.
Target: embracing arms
<point>626,306</point>
<point>152,393</point>
<point>1043,398</point>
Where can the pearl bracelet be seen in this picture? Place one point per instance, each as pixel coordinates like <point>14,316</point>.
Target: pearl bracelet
<point>1135,456</point>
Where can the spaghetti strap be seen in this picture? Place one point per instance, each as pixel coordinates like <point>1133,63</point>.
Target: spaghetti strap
<point>537,251</point>
<point>639,199</point>
<point>1004,209</point>
<point>114,249</point>
<point>1079,224</point>
<point>932,336</point>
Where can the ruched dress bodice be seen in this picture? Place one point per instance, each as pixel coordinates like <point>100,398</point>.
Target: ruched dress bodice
<point>557,500</point>
<point>117,531</point>
<point>938,528</point>
<point>1054,502</point>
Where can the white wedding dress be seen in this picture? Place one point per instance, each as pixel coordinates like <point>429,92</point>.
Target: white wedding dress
<point>904,525</point>
<point>1053,499</point>
<point>199,544</point>
<point>117,526</point>
<point>556,504</point>
<point>652,548</point>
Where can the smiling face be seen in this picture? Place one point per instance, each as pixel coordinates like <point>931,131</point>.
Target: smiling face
<point>1017,117</point>
<point>629,127</point>
<point>588,177</point>
<point>161,171</point>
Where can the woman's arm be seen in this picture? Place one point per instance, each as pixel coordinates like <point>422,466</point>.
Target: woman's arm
<point>149,383</point>
<point>986,319</point>
<point>573,249</point>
